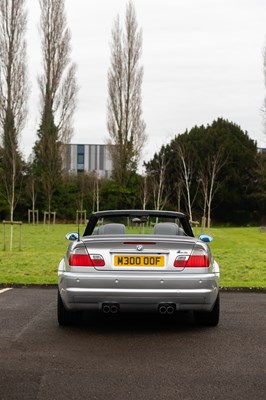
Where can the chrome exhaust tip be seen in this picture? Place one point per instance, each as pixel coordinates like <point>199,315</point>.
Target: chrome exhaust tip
<point>162,309</point>
<point>170,310</point>
<point>166,309</point>
<point>106,309</point>
<point>114,309</point>
<point>110,308</point>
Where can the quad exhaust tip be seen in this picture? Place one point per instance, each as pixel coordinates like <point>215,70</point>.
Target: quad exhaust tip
<point>166,309</point>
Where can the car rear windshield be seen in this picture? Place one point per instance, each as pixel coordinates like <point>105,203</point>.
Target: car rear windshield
<point>133,225</point>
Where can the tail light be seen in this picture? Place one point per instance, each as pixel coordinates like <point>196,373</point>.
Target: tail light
<point>197,259</point>
<point>80,258</point>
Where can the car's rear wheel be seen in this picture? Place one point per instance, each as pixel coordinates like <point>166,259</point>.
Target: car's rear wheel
<point>210,318</point>
<point>64,316</point>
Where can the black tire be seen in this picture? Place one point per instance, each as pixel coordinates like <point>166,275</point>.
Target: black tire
<point>210,318</point>
<point>64,316</point>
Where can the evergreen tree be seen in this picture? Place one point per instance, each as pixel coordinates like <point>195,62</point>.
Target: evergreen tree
<point>234,182</point>
<point>48,163</point>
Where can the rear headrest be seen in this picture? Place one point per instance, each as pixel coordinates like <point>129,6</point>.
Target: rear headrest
<point>112,229</point>
<point>167,228</point>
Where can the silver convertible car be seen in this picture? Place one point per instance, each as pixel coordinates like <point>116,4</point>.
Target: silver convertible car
<point>138,260</point>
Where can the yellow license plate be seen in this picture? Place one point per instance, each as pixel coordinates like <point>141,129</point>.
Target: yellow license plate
<point>138,261</point>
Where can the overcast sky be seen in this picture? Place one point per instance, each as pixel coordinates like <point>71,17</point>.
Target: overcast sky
<point>202,60</point>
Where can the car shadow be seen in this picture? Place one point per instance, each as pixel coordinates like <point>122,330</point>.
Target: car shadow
<point>130,322</point>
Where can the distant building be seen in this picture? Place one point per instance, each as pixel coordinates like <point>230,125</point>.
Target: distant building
<point>261,150</point>
<point>87,158</point>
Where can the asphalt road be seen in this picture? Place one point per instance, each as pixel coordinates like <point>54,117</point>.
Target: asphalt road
<point>131,356</point>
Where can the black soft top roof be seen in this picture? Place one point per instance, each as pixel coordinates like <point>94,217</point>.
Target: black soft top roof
<point>138,214</point>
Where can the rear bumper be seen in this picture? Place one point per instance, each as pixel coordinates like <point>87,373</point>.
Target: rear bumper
<point>141,291</point>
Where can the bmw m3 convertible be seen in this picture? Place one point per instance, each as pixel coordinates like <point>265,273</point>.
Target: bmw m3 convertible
<point>138,260</point>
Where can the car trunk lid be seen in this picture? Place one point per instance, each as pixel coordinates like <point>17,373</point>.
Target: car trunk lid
<point>142,253</point>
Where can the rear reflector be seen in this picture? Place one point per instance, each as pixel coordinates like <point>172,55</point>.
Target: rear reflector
<point>198,259</point>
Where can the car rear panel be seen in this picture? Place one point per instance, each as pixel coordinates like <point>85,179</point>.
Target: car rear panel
<point>188,292</point>
<point>139,271</point>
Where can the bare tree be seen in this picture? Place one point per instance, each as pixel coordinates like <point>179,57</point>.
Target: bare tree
<point>187,171</point>
<point>86,183</point>
<point>58,82</point>
<point>13,95</point>
<point>179,190</point>
<point>208,182</point>
<point>58,94</point>
<point>31,190</point>
<point>124,116</point>
<point>158,178</point>
<point>144,192</point>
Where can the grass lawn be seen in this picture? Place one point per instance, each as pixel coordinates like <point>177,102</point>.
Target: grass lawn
<point>240,252</point>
